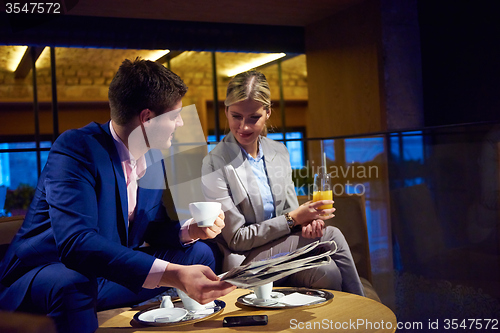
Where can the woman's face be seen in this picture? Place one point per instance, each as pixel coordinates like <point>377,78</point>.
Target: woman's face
<point>246,121</point>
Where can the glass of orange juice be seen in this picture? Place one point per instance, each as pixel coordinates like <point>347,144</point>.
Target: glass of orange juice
<point>322,189</point>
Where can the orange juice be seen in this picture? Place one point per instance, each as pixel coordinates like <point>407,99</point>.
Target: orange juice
<point>323,195</point>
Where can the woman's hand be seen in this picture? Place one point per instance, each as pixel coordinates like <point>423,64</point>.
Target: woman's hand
<point>196,232</point>
<point>308,212</point>
<point>313,229</point>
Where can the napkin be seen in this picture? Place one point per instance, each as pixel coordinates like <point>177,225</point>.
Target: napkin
<point>297,299</point>
<point>209,309</point>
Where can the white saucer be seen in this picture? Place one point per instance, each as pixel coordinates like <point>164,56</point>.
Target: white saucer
<point>253,300</point>
<point>163,315</point>
<point>264,302</point>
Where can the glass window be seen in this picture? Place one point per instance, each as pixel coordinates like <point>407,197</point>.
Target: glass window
<point>408,147</point>
<point>329,147</point>
<point>295,148</point>
<point>412,143</point>
<point>19,176</point>
<point>211,138</point>
<point>364,149</point>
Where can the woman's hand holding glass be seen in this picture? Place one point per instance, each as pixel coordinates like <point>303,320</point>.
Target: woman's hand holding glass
<point>310,211</point>
<point>310,216</point>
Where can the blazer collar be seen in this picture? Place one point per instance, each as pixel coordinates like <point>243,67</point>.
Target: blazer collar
<point>269,152</point>
<point>274,169</point>
<point>275,172</point>
<point>118,169</point>
<point>235,159</point>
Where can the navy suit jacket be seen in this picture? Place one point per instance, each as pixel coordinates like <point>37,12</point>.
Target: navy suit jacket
<point>79,217</point>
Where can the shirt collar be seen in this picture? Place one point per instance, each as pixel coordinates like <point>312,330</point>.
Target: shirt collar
<point>123,152</point>
<point>260,153</point>
<point>125,155</point>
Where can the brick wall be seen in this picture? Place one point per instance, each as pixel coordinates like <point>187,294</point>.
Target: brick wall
<point>88,80</point>
<point>91,84</point>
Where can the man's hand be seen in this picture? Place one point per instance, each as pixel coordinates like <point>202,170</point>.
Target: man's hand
<point>198,281</point>
<point>196,232</point>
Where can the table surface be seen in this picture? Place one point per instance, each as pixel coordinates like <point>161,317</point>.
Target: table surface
<point>345,313</point>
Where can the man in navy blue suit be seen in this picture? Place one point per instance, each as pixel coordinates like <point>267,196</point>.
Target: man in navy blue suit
<point>94,239</point>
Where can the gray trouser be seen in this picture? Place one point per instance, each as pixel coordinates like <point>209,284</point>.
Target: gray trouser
<point>340,274</point>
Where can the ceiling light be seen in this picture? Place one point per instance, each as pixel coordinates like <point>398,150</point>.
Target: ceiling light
<point>44,58</point>
<point>255,63</point>
<point>16,54</point>
<point>156,54</point>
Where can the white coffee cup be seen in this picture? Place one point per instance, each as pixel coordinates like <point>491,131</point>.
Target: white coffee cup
<point>205,213</point>
<point>263,292</point>
<point>189,303</point>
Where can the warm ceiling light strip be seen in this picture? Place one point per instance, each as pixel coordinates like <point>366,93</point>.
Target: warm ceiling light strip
<point>255,63</point>
<point>44,57</point>
<point>16,56</point>
<point>26,63</point>
<point>157,54</point>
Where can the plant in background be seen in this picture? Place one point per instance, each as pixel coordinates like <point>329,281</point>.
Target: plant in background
<point>302,179</point>
<point>17,201</point>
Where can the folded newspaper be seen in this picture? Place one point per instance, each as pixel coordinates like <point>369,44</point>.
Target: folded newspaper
<point>279,266</point>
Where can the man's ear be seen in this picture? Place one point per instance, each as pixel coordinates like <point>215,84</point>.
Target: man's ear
<point>145,115</point>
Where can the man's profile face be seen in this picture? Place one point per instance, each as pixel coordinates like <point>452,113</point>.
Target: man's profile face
<point>160,129</point>
<point>157,132</point>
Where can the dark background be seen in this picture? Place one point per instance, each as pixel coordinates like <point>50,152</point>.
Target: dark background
<point>460,43</point>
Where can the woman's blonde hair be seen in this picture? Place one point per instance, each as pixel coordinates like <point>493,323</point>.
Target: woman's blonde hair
<point>249,85</point>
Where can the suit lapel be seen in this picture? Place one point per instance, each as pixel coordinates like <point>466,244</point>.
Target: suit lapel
<point>120,177</point>
<point>247,179</point>
<point>275,173</point>
<point>241,168</point>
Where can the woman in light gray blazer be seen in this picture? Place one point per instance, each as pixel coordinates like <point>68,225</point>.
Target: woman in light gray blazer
<point>251,176</point>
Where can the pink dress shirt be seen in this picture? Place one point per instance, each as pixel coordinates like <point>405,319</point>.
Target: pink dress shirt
<point>133,170</point>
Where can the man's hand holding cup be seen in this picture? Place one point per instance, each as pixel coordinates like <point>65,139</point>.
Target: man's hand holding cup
<point>209,219</point>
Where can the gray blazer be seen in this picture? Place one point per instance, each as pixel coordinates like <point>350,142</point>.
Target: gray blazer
<point>228,178</point>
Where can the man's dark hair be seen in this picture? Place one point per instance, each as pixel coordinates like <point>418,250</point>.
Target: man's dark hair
<point>143,84</point>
